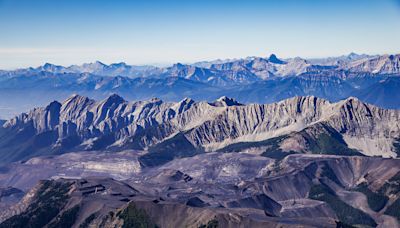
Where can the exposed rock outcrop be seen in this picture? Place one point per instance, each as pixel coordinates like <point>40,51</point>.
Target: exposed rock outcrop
<point>114,123</point>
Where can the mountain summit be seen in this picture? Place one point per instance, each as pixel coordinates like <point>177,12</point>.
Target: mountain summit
<point>115,124</point>
<point>273,59</point>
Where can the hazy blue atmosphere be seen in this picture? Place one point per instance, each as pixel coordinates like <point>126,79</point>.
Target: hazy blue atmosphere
<point>162,32</point>
<point>200,113</point>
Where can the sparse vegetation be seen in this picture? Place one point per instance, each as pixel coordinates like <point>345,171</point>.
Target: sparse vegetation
<point>343,225</point>
<point>347,214</point>
<point>49,200</point>
<point>66,219</point>
<point>328,142</point>
<point>135,217</point>
<point>376,201</point>
<point>392,186</point>
<point>88,220</point>
<point>273,143</point>
<point>394,209</point>
<point>176,147</point>
<point>210,224</point>
<point>272,147</point>
<point>329,173</point>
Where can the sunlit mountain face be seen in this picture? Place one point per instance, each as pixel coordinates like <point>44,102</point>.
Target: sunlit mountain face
<point>303,159</point>
<point>200,114</point>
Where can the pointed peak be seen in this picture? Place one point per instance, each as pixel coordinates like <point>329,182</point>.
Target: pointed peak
<point>120,64</point>
<point>223,98</point>
<point>299,59</point>
<point>113,99</point>
<point>75,96</point>
<point>152,101</point>
<point>354,104</point>
<point>352,101</point>
<point>184,104</point>
<point>74,103</point>
<point>75,100</point>
<point>99,63</point>
<point>48,65</point>
<point>225,101</point>
<point>187,100</point>
<point>54,105</point>
<point>94,64</point>
<point>353,54</point>
<point>179,65</point>
<point>274,59</point>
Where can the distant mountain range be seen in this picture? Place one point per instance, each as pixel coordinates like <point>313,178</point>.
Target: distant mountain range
<point>373,79</point>
<point>251,68</point>
<point>306,143</point>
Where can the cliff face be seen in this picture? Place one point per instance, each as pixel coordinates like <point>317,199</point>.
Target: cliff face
<point>385,64</point>
<point>114,123</point>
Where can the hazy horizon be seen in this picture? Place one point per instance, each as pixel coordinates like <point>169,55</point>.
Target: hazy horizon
<point>162,33</point>
<point>167,64</point>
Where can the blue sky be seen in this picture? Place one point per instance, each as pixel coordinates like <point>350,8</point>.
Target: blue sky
<point>162,32</point>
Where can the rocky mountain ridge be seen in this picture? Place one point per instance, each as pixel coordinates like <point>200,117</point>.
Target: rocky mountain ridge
<point>235,71</point>
<point>268,80</point>
<point>80,123</point>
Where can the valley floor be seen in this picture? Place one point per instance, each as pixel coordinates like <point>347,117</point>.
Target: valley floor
<point>228,189</point>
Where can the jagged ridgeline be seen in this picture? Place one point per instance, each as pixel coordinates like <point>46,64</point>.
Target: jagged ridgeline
<point>168,130</point>
<point>303,161</point>
<point>373,79</point>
